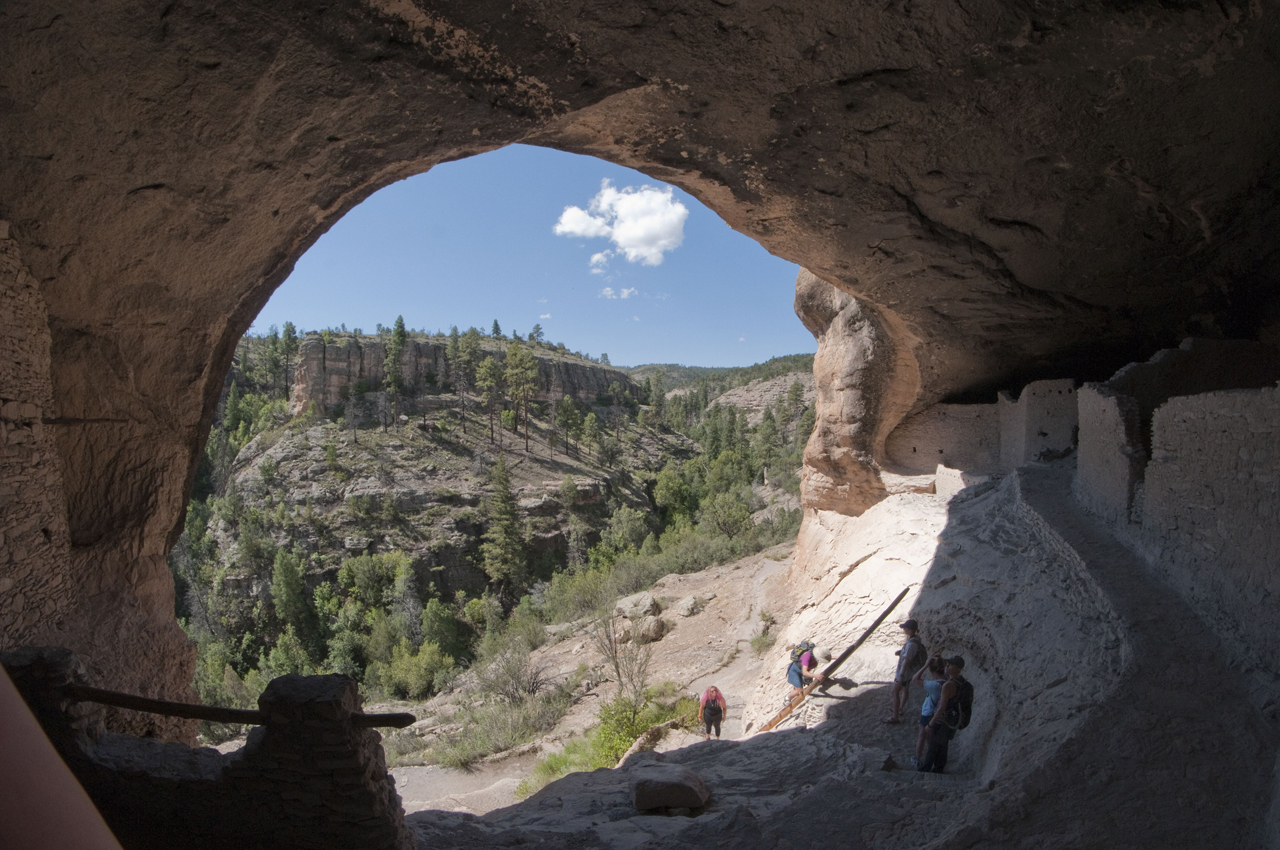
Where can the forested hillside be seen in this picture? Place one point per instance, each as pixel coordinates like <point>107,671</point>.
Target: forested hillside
<point>719,379</point>
<point>451,527</point>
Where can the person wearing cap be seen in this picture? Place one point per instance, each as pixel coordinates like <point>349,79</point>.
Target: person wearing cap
<point>947,719</point>
<point>911,658</point>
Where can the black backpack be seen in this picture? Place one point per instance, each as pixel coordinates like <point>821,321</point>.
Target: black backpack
<point>960,709</point>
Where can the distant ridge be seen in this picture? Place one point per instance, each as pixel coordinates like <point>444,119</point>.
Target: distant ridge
<point>721,378</point>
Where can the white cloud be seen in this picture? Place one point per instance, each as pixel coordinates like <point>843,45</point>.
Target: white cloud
<point>542,301</point>
<point>600,262</point>
<point>635,318</point>
<point>644,223</point>
<point>742,339</point>
<point>545,316</point>
<point>627,293</point>
<point>607,292</point>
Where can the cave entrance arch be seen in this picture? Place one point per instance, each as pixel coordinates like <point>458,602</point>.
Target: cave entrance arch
<point>979,177</point>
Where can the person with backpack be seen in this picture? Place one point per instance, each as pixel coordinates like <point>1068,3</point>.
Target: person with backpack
<point>910,659</point>
<point>712,710</point>
<point>804,665</point>
<point>932,675</point>
<point>955,707</point>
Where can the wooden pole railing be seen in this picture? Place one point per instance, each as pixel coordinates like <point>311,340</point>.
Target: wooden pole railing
<point>797,701</point>
<point>214,713</point>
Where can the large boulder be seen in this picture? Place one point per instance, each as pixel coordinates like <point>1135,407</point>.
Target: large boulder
<point>668,786</point>
<point>637,606</point>
<point>688,606</point>
<point>651,629</point>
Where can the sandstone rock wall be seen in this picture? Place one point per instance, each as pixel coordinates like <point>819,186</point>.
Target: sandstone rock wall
<point>326,372</point>
<point>866,381</point>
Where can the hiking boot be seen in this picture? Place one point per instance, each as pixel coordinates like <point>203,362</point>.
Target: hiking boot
<point>915,763</point>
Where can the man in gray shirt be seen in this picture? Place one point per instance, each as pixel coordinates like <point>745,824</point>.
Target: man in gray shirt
<point>911,658</point>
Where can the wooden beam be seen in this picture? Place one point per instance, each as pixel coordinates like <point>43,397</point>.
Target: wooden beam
<point>213,713</point>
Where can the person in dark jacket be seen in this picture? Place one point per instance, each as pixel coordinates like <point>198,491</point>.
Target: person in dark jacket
<point>947,720</point>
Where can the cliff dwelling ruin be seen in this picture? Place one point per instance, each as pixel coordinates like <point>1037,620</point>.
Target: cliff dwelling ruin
<point>1040,262</point>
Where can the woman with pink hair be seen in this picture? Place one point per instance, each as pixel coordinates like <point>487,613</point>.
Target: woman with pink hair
<point>712,709</point>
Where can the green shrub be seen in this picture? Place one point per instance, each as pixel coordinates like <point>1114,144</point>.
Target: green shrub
<point>413,674</point>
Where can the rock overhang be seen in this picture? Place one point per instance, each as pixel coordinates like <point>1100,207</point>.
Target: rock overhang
<point>1007,192</point>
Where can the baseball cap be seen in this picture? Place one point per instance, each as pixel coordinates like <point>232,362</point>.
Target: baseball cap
<point>910,624</point>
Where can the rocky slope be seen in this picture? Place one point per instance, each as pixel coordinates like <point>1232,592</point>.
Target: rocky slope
<point>754,397</point>
<point>417,487</point>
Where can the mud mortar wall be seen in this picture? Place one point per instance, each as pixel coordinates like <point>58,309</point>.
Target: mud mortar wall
<point>1211,517</point>
<point>960,436</point>
<point>1116,416</point>
<point>37,587</point>
<point>1042,419</point>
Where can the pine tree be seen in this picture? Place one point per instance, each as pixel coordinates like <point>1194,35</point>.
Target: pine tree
<point>289,351</point>
<point>590,431</point>
<point>503,548</point>
<point>536,335</point>
<point>394,380</point>
<point>289,593</point>
<point>491,381</point>
<point>496,333</point>
<point>522,381</point>
<point>568,419</point>
<point>232,414</point>
<point>657,399</point>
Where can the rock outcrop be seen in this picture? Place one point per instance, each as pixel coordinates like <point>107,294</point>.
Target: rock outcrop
<point>326,373</point>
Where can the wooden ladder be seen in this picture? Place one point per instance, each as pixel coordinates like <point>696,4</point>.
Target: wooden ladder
<point>798,701</point>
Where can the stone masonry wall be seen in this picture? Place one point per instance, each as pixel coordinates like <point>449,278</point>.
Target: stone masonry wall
<point>1110,460</point>
<point>37,587</point>
<point>1211,516</point>
<point>1116,416</point>
<point>1043,419</point>
<point>307,778</point>
<point>961,436</point>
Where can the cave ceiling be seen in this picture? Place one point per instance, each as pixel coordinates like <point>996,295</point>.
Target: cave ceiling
<point>1021,189</point>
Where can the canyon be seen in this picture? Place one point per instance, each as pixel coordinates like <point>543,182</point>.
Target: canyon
<point>992,203</point>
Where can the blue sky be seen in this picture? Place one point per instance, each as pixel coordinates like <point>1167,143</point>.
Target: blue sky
<point>644,274</point>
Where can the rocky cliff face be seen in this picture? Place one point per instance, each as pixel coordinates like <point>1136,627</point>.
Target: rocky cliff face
<point>866,382</point>
<point>325,373</point>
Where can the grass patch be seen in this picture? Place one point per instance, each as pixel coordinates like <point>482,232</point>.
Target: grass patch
<point>498,726</point>
<point>620,724</point>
